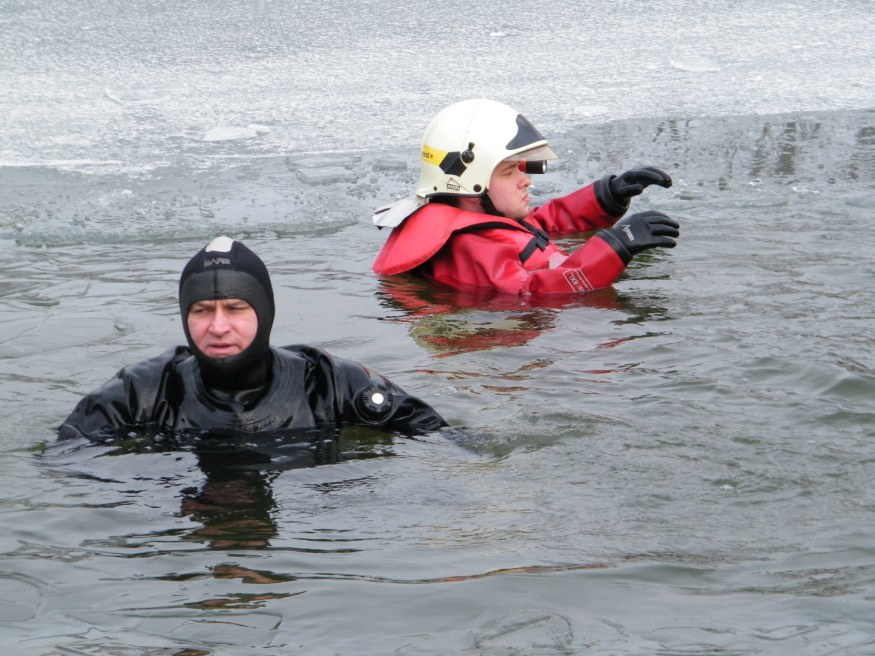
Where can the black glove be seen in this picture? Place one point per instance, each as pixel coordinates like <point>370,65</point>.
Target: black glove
<point>639,232</point>
<point>631,183</point>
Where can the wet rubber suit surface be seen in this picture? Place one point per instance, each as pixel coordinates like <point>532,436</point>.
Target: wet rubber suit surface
<point>465,250</point>
<point>305,387</point>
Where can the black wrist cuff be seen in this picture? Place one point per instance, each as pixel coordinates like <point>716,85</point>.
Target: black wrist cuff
<point>609,204</point>
<point>616,243</point>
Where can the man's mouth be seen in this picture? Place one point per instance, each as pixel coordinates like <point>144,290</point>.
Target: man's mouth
<point>221,348</point>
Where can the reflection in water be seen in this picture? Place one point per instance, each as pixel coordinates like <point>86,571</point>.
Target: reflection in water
<point>447,321</point>
<point>235,505</point>
<point>243,600</point>
<point>233,509</point>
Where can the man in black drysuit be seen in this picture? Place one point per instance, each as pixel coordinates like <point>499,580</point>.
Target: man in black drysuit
<point>229,378</point>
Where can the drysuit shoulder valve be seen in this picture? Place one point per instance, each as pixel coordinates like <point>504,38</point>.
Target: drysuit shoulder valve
<point>375,403</point>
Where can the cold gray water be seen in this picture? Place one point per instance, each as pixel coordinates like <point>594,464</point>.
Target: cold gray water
<point>678,465</point>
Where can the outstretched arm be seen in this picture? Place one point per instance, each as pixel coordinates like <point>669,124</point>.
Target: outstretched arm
<point>599,204</point>
<point>589,208</point>
<point>492,259</point>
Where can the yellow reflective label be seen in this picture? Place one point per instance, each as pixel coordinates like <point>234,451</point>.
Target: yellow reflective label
<point>433,155</point>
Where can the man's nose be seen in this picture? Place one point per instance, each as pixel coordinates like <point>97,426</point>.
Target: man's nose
<point>219,324</point>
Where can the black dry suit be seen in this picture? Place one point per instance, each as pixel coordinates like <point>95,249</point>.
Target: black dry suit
<point>261,388</point>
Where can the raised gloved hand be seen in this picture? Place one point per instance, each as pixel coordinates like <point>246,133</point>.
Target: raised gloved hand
<point>641,231</point>
<point>631,183</point>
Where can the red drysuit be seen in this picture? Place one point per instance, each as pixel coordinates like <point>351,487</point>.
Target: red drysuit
<point>466,249</point>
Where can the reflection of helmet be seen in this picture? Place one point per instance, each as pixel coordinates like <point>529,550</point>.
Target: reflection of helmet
<point>466,141</point>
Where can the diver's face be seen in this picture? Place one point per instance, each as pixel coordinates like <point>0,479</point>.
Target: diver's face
<point>509,190</point>
<point>222,328</point>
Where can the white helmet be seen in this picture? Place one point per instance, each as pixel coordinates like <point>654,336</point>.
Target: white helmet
<point>461,148</point>
<point>466,141</point>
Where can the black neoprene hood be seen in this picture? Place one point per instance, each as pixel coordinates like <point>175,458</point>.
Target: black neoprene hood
<point>225,268</point>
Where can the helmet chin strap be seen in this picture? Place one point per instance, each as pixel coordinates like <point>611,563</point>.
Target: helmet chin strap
<point>488,206</point>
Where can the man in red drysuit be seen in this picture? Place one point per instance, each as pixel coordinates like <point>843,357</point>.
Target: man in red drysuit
<point>470,226</point>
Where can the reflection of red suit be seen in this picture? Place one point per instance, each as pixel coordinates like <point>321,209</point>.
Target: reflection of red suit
<point>467,250</point>
<point>448,321</point>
